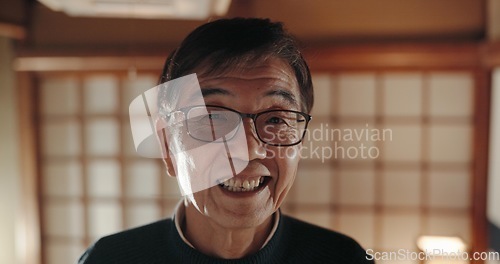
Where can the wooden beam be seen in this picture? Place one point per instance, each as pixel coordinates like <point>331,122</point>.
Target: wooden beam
<point>30,216</point>
<point>339,57</point>
<point>480,148</point>
<point>490,54</point>
<point>393,56</point>
<point>41,64</point>
<point>12,31</point>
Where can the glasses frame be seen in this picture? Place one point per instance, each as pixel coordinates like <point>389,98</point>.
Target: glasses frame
<point>308,118</point>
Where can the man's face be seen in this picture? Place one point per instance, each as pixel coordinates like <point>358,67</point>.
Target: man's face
<point>271,85</point>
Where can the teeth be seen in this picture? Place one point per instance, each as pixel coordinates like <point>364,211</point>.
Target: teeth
<point>236,185</point>
<point>246,184</point>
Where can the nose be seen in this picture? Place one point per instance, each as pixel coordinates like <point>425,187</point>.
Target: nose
<point>256,149</point>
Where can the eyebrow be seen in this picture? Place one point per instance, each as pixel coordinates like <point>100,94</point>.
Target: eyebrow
<point>284,94</point>
<point>214,91</point>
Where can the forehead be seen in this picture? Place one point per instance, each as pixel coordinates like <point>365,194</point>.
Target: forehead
<point>247,66</point>
<point>272,78</point>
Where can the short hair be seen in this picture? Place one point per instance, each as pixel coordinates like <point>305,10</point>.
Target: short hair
<point>229,44</point>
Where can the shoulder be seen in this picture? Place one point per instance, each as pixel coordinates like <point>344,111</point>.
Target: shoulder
<point>129,245</point>
<point>322,243</point>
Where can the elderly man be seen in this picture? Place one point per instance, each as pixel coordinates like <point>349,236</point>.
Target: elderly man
<point>231,118</point>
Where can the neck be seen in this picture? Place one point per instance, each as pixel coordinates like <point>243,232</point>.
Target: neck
<point>216,240</point>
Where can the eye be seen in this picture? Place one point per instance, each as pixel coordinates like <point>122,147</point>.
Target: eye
<point>275,120</point>
<point>215,116</point>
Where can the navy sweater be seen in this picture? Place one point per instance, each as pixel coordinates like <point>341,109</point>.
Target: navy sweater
<point>294,242</point>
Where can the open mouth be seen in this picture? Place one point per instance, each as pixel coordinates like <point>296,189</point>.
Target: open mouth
<point>238,185</point>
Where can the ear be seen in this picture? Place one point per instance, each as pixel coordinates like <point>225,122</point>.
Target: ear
<point>162,140</point>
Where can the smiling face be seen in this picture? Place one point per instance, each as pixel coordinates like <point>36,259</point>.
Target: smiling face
<point>258,190</point>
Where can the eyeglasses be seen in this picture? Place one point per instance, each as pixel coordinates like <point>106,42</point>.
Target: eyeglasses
<point>217,124</point>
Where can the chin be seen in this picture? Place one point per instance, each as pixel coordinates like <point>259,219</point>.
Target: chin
<point>237,214</point>
<point>241,221</point>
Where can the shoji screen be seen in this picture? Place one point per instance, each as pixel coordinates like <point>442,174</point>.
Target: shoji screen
<point>415,175</point>
<point>92,181</point>
<point>412,179</point>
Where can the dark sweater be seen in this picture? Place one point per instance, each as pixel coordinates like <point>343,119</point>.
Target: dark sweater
<point>294,242</point>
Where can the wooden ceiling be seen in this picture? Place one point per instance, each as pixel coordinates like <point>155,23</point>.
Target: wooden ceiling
<point>314,21</point>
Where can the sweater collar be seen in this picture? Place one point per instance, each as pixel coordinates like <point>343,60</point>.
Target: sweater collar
<point>275,249</point>
<point>180,215</point>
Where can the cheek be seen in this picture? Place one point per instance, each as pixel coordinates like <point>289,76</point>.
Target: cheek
<point>290,156</point>
<point>197,171</point>
<point>287,161</point>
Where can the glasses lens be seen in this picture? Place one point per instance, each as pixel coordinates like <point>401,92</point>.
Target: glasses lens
<point>281,127</point>
<point>212,123</point>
